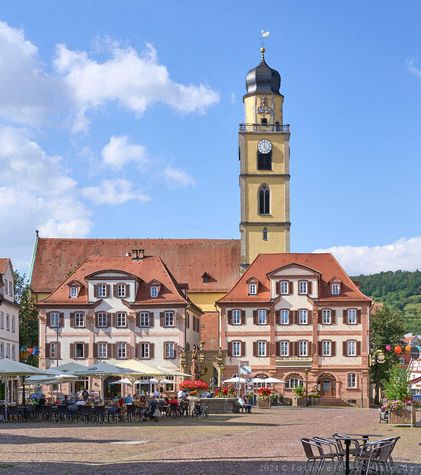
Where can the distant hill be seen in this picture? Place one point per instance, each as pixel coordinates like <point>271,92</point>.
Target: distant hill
<point>400,289</point>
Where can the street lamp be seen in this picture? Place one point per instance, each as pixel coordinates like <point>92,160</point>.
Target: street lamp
<point>376,356</point>
<point>306,371</point>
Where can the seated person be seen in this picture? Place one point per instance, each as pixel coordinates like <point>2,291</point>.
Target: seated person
<point>42,400</point>
<point>243,403</point>
<point>128,400</point>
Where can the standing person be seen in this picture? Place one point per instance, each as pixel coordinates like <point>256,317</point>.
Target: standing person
<point>85,394</point>
<point>181,395</point>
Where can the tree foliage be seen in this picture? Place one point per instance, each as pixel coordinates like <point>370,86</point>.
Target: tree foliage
<point>28,315</point>
<point>397,387</point>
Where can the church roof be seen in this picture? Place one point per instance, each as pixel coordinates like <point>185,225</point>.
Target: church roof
<point>186,259</point>
<point>263,79</point>
<point>265,264</point>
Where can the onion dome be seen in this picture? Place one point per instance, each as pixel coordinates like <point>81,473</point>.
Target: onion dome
<point>263,79</point>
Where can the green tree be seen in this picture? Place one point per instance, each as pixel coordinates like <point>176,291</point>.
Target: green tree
<point>28,316</point>
<point>386,328</point>
<point>397,387</point>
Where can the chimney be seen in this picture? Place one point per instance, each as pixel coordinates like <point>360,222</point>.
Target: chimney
<point>138,254</point>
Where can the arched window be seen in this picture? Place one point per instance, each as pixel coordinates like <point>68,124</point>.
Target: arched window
<point>264,160</point>
<point>264,199</point>
<point>265,234</point>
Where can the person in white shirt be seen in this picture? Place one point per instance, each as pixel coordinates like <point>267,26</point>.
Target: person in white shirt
<point>181,394</point>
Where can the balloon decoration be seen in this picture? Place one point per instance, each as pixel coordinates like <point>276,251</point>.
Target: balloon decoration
<point>408,348</point>
<point>388,347</point>
<point>398,350</point>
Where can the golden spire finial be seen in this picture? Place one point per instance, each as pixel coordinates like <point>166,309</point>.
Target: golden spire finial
<point>262,50</point>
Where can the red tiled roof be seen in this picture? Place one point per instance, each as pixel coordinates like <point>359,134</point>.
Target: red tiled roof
<point>187,259</point>
<point>147,269</point>
<point>325,264</point>
<point>4,262</point>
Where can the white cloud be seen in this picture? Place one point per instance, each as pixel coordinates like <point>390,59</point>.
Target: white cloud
<point>114,192</point>
<point>177,178</point>
<point>35,193</point>
<point>133,80</point>
<point>118,152</point>
<point>403,254</point>
<point>412,68</point>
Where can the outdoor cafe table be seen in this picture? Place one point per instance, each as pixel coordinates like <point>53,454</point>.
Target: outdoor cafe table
<point>347,439</point>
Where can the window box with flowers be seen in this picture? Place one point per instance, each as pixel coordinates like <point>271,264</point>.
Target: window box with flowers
<point>264,398</point>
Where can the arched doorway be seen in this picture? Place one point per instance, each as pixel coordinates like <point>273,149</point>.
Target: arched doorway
<point>326,385</point>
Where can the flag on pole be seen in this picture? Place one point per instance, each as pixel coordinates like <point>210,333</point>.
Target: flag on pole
<point>265,34</point>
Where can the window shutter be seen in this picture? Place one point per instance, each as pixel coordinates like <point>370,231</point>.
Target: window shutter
<point>151,351</point>
<point>72,319</point>
<point>255,317</point>
<point>333,316</point>
<point>229,315</point>
<point>96,290</point>
<point>109,319</point>
<point>48,320</point>
<point>293,345</point>
<point>345,348</point>
<point>188,320</point>
<point>254,348</point>
<point>175,351</point>
<point>61,320</point>
<point>47,350</point>
<point>127,291</point>
<point>278,317</point>
<point>309,353</point>
<point>151,319</point>
<point>131,353</point>
<point>86,350</point>
<point>309,317</point>
<point>359,316</point>
<point>344,315</point>
<point>291,287</point>
<point>294,317</point>
<point>229,348</point>
<point>164,349</point>
<point>278,288</point>
<point>96,319</point>
<point>72,351</point>
<point>243,348</point>
<point>320,317</point>
<point>278,348</point>
<point>108,290</point>
<point>358,348</point>
<point>320,348</point>
<point>115,290</point>
<point>58,350</point>
<point>162,319</point>
<point>243,317</point>
<point>138,319</point>
<point>309,287</point>
<point>95,350</point>
<point>110,350</point>
<point>333,348</point>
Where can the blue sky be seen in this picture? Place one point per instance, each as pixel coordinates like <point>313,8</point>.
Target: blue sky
<point>109,152</point>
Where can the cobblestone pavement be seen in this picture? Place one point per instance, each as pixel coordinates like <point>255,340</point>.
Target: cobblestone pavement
<point>264,442</point>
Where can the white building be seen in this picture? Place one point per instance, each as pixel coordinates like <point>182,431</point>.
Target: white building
<point>9,313</point>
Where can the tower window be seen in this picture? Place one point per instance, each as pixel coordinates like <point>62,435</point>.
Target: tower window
<point>264,199</point>
<point>264,121</point>
<point>265,234</point>
<point>264,161</point>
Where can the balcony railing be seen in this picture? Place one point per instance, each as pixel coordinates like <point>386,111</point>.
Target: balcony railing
<point>265,128</point>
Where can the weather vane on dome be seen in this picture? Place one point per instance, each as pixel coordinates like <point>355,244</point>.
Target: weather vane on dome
<point>264,34</point>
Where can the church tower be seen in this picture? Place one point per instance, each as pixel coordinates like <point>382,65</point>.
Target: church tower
<point>264,166</point>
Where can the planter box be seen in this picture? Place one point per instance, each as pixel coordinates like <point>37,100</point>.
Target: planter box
<point>219,405</point>
<point>403,416</point>
<point>264,403</point>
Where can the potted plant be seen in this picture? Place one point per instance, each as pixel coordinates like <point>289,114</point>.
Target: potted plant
<point>298,395</point>
<point>398,397</point>
<point>264,399</point>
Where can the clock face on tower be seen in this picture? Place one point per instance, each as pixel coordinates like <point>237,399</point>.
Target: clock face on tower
<point>264,146</point>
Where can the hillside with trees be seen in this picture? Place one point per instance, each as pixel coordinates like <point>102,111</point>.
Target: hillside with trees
<point>401,290</point>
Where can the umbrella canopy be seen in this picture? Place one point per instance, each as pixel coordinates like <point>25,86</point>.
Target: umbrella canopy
<point>12,369</point>
<point>122,381</point>
<point>273,380</point>
<point>235,380</point>
<point>258,380</point>
<point>52,379</point>
<point>173,372</point>
<point>136,366</point>
<point>101,369</point>
<point>69,368</point>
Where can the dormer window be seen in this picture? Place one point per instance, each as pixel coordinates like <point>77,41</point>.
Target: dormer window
<point>121,290</point>
<point>253,289</point>
<point>73,292</point>
<point>302,287</point>
<point>154,291</point>
<point>102,291</point>
<point>284,287</point>
<point>335,288</point>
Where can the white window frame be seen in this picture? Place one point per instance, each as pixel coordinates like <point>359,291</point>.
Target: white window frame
<point>121,317</point>
<point>154,292</point>
<point>326,316</point>
<point>8,350</point>
<point>284,348</point>
<point>262,317</point>
<point>102,291</point>
<point>102,350</point>
<point>303,348</point>
<point>144,319</point>
<point>326,348</point>
<point>83,351</point>
<point>335,288</point>
<point>352,312</point>
<point>284,316</point>
<point>169,319</point>
<point>13,323</point>
<point>145,351</point>
<point>169,350</point>
<point>121,291</point>
<point>7,322</point>
<point>13,353</point>
<point>236,348</point>
<point>352,380</point>
<point>11,288</point>
<point>284,287</point>
<point>301,313</point>
<point>351,348</point>
<point>121,350</point>
<point>293,382</point>
<point>73,292</point>
<point>236,317</point>
<point>303,287</point>
<point>102,316</point>
<point>54,319</point>
<point>79,319</point>
<point>253,289</point>
<point>1,320</point>
<point>53,350</point>
<point>262,348</point>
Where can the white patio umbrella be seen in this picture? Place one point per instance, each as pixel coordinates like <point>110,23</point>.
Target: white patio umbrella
<point>235,380</point>
<point>273,380</point>
<point>258,380</point>
<point>123,381</point>
<point>10,369</point>
<point>69,368</point>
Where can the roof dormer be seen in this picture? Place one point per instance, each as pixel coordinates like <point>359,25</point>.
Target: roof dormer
<point>335,285</point>
<point>154,288</point>
<point>253,286</point>
<point>74,289</point>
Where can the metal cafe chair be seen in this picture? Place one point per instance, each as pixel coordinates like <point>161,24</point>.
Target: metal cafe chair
<point>333,451</point>
<point>375,455</point>
<point>316,456</point>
